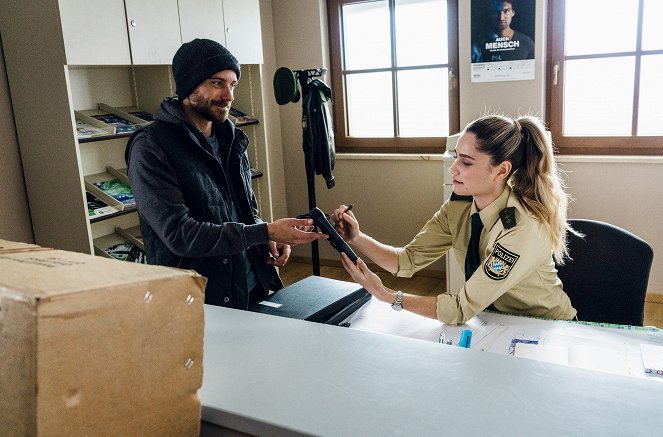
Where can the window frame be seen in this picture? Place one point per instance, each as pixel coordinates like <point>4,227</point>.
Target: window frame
<point>591,145</point>
<point>348,144</point>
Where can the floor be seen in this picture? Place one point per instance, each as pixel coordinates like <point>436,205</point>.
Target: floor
<point>427,285</point>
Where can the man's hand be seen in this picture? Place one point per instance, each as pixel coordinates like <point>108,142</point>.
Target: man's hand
<point>292,231</point>
<point>280,253</point>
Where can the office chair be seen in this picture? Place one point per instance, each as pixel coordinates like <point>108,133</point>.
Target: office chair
<point>607,277</point>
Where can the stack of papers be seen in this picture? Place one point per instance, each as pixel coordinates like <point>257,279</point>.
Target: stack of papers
<point>652,359</point>
<point>610,359</point>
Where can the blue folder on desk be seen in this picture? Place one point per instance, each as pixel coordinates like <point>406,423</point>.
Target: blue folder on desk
<point>315,299</point>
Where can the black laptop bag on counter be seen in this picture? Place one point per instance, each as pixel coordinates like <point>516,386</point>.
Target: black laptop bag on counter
<point>315,299</point>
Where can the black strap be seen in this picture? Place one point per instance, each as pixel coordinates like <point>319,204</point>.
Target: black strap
<point>473,257</point>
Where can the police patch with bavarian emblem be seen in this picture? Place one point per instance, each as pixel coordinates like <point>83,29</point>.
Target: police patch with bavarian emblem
<point>500,262</point>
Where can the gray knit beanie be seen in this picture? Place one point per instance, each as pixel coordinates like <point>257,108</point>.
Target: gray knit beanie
<point>198,60</point>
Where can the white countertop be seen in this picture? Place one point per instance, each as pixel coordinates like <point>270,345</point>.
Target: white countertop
<point>268,375</point>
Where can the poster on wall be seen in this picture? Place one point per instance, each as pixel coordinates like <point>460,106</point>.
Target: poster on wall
<point>502,40</point>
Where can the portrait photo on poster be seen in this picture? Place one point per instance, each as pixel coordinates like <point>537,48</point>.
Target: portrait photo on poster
<point>502,35</point>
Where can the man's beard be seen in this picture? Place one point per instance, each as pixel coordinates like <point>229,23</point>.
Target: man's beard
<point>207,111</point>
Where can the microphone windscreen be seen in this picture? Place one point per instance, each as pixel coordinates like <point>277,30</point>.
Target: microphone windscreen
<point>285,86</point>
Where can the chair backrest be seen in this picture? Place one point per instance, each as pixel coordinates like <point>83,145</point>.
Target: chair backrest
<point>607,277</point>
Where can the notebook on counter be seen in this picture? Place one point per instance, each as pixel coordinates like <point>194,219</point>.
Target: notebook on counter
<point>315,299</point>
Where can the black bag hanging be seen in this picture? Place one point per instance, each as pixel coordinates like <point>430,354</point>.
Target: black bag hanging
<point>318,129</point>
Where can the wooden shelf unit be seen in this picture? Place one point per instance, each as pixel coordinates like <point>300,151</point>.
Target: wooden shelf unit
<point>73,78</point>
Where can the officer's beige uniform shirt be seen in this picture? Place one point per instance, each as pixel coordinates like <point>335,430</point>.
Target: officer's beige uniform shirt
<point>517,271</point>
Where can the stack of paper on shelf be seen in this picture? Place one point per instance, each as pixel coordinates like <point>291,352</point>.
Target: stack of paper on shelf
<point>127,251</point>
<point>112,187</point>
<point>142,115</point>
<point>85,130</point>
<point>121,125</point>
<point>123,245</point>
<point>132,234</point>
<point>118,190</point>
<point>97,208</point>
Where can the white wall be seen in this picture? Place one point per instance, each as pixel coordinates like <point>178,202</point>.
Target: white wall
<point>394,197</point>
<point>272,118</point>
<point>300,35</point>
<point>15,223</point>
<point>624,192</point>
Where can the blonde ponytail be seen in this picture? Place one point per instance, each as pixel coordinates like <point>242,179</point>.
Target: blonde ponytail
<point>534,179</point>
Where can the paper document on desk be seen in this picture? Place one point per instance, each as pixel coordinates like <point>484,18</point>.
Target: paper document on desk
<point>593,348</point>
<point>604,359</point>
<point>375,316</point>
<point>584,352</point>
<point>480,328</point>
<point>539,352</point>
<point>504,340</point>
<point>652,359</point>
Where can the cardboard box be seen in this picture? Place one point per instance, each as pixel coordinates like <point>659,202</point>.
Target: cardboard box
<point>93,347</point>
<point>13,246</point>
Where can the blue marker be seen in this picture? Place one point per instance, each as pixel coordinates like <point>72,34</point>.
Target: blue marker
<point>465,338</point>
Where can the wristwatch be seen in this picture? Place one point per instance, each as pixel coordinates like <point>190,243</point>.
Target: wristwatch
<point>399,300</point>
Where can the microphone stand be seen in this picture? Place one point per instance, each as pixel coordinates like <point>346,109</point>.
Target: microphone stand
<point>304,77</point>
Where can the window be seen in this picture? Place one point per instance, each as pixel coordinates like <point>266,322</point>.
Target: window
<point>605,91</point>
<point>394,67</point>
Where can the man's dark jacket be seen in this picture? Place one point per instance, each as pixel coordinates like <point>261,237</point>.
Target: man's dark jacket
<point>183,192</point>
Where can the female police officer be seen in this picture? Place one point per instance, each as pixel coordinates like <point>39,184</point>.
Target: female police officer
<point>507,188</point>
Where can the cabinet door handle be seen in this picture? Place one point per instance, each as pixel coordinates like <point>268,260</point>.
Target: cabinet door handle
<point>133,23</point>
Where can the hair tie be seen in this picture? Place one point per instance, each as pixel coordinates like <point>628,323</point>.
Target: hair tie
<point>518,126</point>
<point>523,143</point>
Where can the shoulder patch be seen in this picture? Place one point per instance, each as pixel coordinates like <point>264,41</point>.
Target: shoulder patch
<point>499,263</point>
<point>455,196</point>
<point>508,217</point>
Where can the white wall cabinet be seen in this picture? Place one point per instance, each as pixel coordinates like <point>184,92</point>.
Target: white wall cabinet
<point>100,32</point>
<point>73,65</point>
<point>157,28</point>
<point>95,32</point>
<point>209,25</point>
<point>233,23</point>
<point>153,30</point>
<point>242,29</point>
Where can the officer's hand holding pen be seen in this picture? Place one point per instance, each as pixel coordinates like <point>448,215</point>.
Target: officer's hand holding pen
<point>339,222</point>
<point>346,223</point>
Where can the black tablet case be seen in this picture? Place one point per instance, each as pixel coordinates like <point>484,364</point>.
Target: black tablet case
<point>315,299</point>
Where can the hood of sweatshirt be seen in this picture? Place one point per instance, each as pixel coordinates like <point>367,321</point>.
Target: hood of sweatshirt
<point>170,111</point>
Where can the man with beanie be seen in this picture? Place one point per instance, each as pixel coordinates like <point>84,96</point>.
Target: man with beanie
<point>190,174</point>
